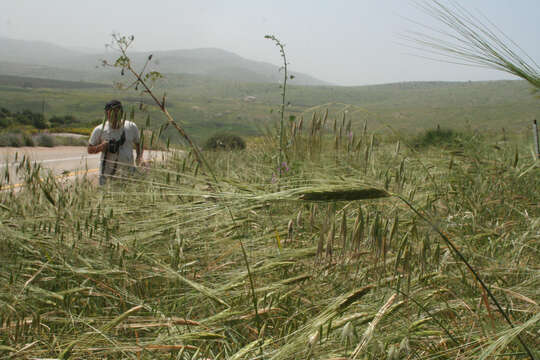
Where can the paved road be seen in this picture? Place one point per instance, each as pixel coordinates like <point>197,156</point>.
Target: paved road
<point>62,161</point>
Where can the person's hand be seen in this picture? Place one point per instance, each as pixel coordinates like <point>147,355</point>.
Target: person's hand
<point>94,149</point>
<point>138,161</point>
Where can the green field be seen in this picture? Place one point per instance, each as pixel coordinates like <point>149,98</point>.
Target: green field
<point>30,82</point>
<point>205,105</point>
<point>354,252</point>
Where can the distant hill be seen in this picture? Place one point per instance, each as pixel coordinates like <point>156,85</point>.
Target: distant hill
<point>35,83</point>
<point>48,60</point>
<point>223,64</point>
<point>96,75</point>
<point>34,52</point>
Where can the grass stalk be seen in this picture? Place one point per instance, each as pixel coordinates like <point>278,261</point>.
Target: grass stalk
<point>460,256</point>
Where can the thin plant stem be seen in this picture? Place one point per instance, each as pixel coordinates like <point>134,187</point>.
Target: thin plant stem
<point>281,47</point>
<point>161,104</point>
<point>471,269</point>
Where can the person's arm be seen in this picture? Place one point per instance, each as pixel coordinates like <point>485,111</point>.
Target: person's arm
<point>94,149</point>
<point>137,144</point>
<point>139,151</point>
<point>95,138</point>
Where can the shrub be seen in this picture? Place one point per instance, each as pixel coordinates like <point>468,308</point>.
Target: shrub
<point>45,140</point>
<point>63,120</point>
<point>6,139</point>
<point>437,137</point>
<point>39,122</point>
<point>28,140</point>
<point>27,117</point>
<point>225,141</point>
<point>57,120</point>
<point>16,139</point>
<point>5,122</point>
<point>5,118</point>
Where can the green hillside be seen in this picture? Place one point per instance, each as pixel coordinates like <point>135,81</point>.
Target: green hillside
<point>30,82</point>
<point>205,105</point>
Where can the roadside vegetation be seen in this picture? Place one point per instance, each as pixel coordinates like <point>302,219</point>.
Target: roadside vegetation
<point>340,265</point>
<point>25,117</point>
<point>27,128</point>
<point>20,138</point>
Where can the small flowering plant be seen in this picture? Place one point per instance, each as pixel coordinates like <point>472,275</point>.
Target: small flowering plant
<point>282,169</point>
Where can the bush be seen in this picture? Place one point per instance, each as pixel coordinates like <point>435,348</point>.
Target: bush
<point>16,139</point>
<point>225,141</point>
<point>10,139</point>
<point>5,122</point>
<point>57,120</point>
<point>28,140</point>
<point>45,140</point>
<point>39,122</point>
<point>437,137</point>
<point>25,117</point>
<point>63,120</point>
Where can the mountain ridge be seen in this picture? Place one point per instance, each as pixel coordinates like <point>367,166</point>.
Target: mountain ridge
<point>209,61</point>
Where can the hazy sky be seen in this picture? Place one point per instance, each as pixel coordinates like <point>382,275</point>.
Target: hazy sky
<point>348,42</point>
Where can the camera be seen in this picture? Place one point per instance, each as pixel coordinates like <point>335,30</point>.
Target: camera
<point>114,145</point>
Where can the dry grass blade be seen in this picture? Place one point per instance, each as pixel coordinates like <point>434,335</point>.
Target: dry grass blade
<point>310,332</point>
<point>33,276</point>
<point>517,295</point>
<point>200,288</point>
<point>7,348</point>
<point>138,348</point>
<point>507,337</point>
<point>252,346</point>
<point>151,323</point>
<point>368,334</point>
<point>66,352</point>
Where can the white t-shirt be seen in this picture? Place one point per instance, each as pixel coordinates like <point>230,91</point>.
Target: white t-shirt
<point>124,157</point>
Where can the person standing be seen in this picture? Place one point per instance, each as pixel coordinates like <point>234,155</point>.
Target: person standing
<point>115,139</point>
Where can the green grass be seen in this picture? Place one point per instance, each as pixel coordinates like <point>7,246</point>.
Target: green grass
<point>32,82</point>
<point>152,267</point>
<point>203,105</point>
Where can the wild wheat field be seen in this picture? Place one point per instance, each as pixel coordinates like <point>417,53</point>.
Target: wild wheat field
<point>358,246</point>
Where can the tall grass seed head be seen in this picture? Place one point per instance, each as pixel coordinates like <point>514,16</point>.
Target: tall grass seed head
<point>348,331</point>
<point>313,339</point>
